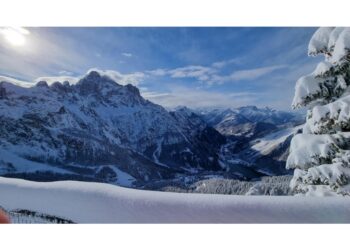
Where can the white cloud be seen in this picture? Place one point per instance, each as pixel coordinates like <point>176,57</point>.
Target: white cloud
<point>143,89</point>
<point>221,64</point>
<point>123,79</point>
<point>154,95</point>
<point>20,83</point>
<point>158,72</point>
<point>252,74</point>
<point>198,72</point>
<point>243,75</point>
<point>210,75</point>
<point>127,54</point>
<point>197,98</point>
<point>51,79</point>
<point>192,71</point>
<point>65,72</point>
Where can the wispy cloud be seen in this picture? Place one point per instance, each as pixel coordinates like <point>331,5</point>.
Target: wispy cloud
<point>123,79</point>
<point>157,72</point>
<point>211,75</point>
<point>127,54</point>
<point>131,78</point>
<point>196,98</point>
<point>251,74</point>
<point>198,72</point>
<point>65,73</point>
<point>224,63</point>
<point>51,79</point>
<point>244,75</point>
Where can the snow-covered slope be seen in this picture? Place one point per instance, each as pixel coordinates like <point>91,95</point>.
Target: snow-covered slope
<point>266,155</point>
<point>103,203</point>
<point>269,153</point>
<point>266,144</point>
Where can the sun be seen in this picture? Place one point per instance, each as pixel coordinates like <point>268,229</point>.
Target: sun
<point>15,36</point>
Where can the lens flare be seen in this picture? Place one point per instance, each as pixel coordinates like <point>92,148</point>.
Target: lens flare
<point>15,36</point>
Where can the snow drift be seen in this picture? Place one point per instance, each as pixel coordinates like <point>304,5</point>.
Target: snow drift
<point>104,203</point>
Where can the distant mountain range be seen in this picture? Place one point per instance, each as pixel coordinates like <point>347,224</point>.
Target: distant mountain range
<point>99,130</point>
<point>249,121</point>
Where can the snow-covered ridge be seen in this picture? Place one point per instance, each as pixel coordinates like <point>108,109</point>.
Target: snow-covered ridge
<point>268,143</point>
<point>103,203</point>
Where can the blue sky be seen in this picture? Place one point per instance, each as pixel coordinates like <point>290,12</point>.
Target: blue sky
<point>196,67</point>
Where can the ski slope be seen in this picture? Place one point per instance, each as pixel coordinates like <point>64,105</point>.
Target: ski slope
<point>84,202</point>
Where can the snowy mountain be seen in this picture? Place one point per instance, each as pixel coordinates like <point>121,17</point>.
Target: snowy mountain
<point>257,139</point>
<point>249,121</point>
<point>94,129</point>
<point>269,153</point>
<point>264,155</point>
<point>97,129</point>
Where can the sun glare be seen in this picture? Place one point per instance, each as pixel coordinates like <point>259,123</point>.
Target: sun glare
<point>15,36</point>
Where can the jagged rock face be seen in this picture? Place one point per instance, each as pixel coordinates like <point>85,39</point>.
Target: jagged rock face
<point>205,139</point>
<point>99,122</point>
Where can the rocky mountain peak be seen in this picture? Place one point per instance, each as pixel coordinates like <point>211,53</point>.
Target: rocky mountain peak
<point>93,75</point>
<point>94,83</point>
<point>132,89</point>
<point>42,84</point>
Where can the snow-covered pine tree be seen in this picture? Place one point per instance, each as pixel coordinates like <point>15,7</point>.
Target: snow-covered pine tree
<point>321,154</point>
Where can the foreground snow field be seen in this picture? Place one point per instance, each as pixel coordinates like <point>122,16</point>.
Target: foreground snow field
<point>84,202</point>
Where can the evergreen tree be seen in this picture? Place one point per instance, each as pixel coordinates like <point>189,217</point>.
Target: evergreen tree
<point>321,154</point>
